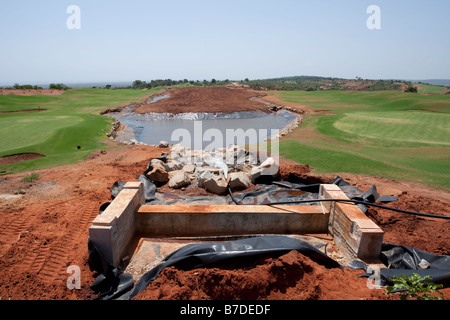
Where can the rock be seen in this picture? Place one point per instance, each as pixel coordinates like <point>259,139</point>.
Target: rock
<point>239,181</point>
<point>158,174</point>
<point>163,144</point>
<point>189,168</point>
<point>255,174</point>
<point>213,170</point>
<point>268,169</point>
<point>216,184</point>
<point>173,165</point>
<point>179,180</point>
<point>156,163</point>
<point>203,175</point>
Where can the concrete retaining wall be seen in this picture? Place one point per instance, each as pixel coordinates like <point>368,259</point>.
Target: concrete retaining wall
<point>127,218</point>
<point>114,230</point>
<point>223,220</point>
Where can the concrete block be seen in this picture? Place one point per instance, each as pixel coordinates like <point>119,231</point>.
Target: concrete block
<point>114,229</point>
<point>356,234</point>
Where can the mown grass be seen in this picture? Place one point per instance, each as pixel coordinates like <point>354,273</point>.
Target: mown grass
<point>67,131</point>
<point>397,135</point>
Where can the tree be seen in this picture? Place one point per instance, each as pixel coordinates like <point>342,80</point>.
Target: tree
<point>58,86</point>
<point>411,88</point>
<point>213,81</point>
<point>108,86</point>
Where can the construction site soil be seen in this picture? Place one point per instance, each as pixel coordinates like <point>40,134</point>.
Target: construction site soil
<point>45,230</point>
<point>205,99</point>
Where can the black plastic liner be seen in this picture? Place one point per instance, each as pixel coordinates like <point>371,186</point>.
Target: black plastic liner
<point>404,260</point>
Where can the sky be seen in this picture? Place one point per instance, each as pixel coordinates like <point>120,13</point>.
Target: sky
<point>205,39</point>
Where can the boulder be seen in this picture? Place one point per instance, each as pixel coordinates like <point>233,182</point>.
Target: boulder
<point>203,176</point>
<point>173,165</point>
<point>156,163</point>
<point>163,144</point>
<point>189,168</point>
<point>179,180</point>
<point>239,181</point>
<point>215,184</point>
<point>269,169</point>
<point>158,175</point>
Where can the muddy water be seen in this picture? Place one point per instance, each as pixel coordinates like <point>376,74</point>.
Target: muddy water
<point>209,130</point>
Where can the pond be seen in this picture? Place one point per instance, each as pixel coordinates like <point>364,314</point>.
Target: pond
<point>204,130</point>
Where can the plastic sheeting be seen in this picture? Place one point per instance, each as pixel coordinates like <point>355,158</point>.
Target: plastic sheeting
<point>404,260</point>
<point>264,194</point>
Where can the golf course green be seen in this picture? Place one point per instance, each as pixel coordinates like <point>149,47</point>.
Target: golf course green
<point>397,135</point>
<point>66,130</point>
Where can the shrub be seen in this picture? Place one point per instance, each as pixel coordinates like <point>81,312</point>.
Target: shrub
<point>416,287</point>
<point>31,177</point>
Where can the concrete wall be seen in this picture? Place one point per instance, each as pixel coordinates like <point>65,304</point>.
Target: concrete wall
<point>113,230</point>
<point>223,220</point>
<point>356,234</point>
<point>127,218</point>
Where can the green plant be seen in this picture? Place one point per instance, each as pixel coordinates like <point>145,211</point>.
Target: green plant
<point>31,177</point>
<point>416,287</point>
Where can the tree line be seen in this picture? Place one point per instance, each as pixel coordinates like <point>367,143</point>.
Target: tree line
<point>139,84</point>
<point>54,86</point>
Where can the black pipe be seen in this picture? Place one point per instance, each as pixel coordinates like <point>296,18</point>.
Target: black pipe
<point>429,215</point>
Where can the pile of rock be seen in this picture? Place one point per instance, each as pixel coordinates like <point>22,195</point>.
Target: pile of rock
<point>212,170</point>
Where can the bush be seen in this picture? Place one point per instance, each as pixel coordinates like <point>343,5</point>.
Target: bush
<point>32,177</point>
<point>411,89</point>
<point>416,287</point>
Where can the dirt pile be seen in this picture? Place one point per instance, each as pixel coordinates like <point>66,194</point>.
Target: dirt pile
<point>292,276</point>
<point>205,99</point>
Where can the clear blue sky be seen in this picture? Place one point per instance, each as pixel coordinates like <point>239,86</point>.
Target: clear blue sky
<point>196,39</point>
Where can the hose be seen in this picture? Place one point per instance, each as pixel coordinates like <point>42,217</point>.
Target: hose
<point>429,215</point>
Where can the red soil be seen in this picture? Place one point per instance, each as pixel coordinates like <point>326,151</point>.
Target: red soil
<point>19,158</point>
<point>46,230</point>
<point>292,276</point>
<point>31,92</point>
<point>205,99</point>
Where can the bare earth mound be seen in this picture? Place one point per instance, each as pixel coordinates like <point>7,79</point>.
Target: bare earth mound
<point>205,99</point>
<point>14,158</point>
<point>31,92</point>
<point>292,276</point>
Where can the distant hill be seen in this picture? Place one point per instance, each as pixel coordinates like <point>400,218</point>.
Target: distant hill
<point>436,82</point>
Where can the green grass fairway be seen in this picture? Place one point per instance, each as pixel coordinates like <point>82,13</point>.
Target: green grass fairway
<point>67,131</point>
<point>397,135</point>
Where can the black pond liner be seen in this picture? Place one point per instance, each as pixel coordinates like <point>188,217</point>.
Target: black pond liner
<point>112,284</point>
